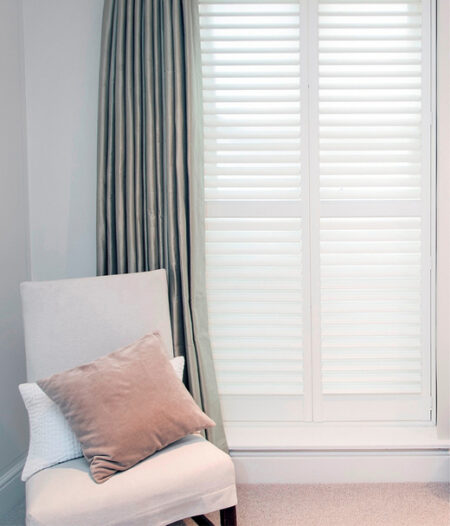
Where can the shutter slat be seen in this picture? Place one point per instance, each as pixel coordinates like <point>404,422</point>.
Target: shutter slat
<point>241,146</point>
<point>399,144</point>
<point>245,169</point>
<point>264,366</point>
<point>373,353</point>
<point>225,344</point>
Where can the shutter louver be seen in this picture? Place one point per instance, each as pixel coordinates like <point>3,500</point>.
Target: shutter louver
<point>371,305</point>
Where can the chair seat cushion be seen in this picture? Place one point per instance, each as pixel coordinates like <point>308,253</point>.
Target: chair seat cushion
<point>190,477</point>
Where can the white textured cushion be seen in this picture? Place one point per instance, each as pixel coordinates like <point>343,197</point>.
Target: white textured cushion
<point>187,478</point>
<point>178,366</point>
<point>51,439</point>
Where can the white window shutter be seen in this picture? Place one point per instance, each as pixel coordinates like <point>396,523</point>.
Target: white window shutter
<point>373,156</point>
<point>318,202</point>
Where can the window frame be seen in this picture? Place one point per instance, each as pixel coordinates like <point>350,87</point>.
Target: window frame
<point>436,430</point>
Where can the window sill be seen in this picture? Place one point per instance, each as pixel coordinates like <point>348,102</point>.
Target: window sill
<point>320,437</point>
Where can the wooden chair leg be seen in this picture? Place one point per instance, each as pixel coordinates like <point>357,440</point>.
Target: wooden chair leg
<point>228,517</point>
<point>201,520</point>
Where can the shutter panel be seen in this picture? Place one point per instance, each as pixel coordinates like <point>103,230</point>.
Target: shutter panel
<point>374,165</point>
<point>253,128</point>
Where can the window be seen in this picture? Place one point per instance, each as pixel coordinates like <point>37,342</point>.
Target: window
<point>318,165</point>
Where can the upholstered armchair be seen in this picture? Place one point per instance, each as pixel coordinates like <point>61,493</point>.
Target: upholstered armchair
<point>70,322</point>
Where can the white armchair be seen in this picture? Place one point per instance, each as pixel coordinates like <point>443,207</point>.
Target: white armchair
<point>70,322</point>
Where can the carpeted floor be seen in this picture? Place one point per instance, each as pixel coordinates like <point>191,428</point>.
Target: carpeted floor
<point>329,505</point>
<point>342,505</point>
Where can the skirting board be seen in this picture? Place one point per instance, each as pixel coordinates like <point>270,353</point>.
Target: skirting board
<point>12,489</point>
<point>328,467</point>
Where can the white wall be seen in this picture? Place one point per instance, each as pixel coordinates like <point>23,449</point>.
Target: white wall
<point>62,50</point>
<point>49,64</point>
<point>443,218</point>
<point>14,240</point>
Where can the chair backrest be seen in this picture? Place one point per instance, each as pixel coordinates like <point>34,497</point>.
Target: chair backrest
<point>74,321</point>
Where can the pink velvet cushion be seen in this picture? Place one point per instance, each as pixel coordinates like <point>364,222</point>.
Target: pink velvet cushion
<point>125,406</point>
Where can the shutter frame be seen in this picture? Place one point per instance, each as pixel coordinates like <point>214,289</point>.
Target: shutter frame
<point>288,138</point>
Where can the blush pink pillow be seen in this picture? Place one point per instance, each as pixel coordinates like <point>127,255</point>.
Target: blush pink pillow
<point>125,406</point>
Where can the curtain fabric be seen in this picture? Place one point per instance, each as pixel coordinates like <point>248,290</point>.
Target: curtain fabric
<point>150,207</point>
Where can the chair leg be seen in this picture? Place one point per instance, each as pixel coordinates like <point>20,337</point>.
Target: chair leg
<point>228,517</point>
<point>201,520</point>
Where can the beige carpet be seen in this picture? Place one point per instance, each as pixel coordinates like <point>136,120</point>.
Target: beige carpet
<point>342,505</point>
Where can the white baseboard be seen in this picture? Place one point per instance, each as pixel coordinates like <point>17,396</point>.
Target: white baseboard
<point>12,489</point>
<point>328,467</point>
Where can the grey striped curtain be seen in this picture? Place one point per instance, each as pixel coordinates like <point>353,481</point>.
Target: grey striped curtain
<point>150,211</point>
